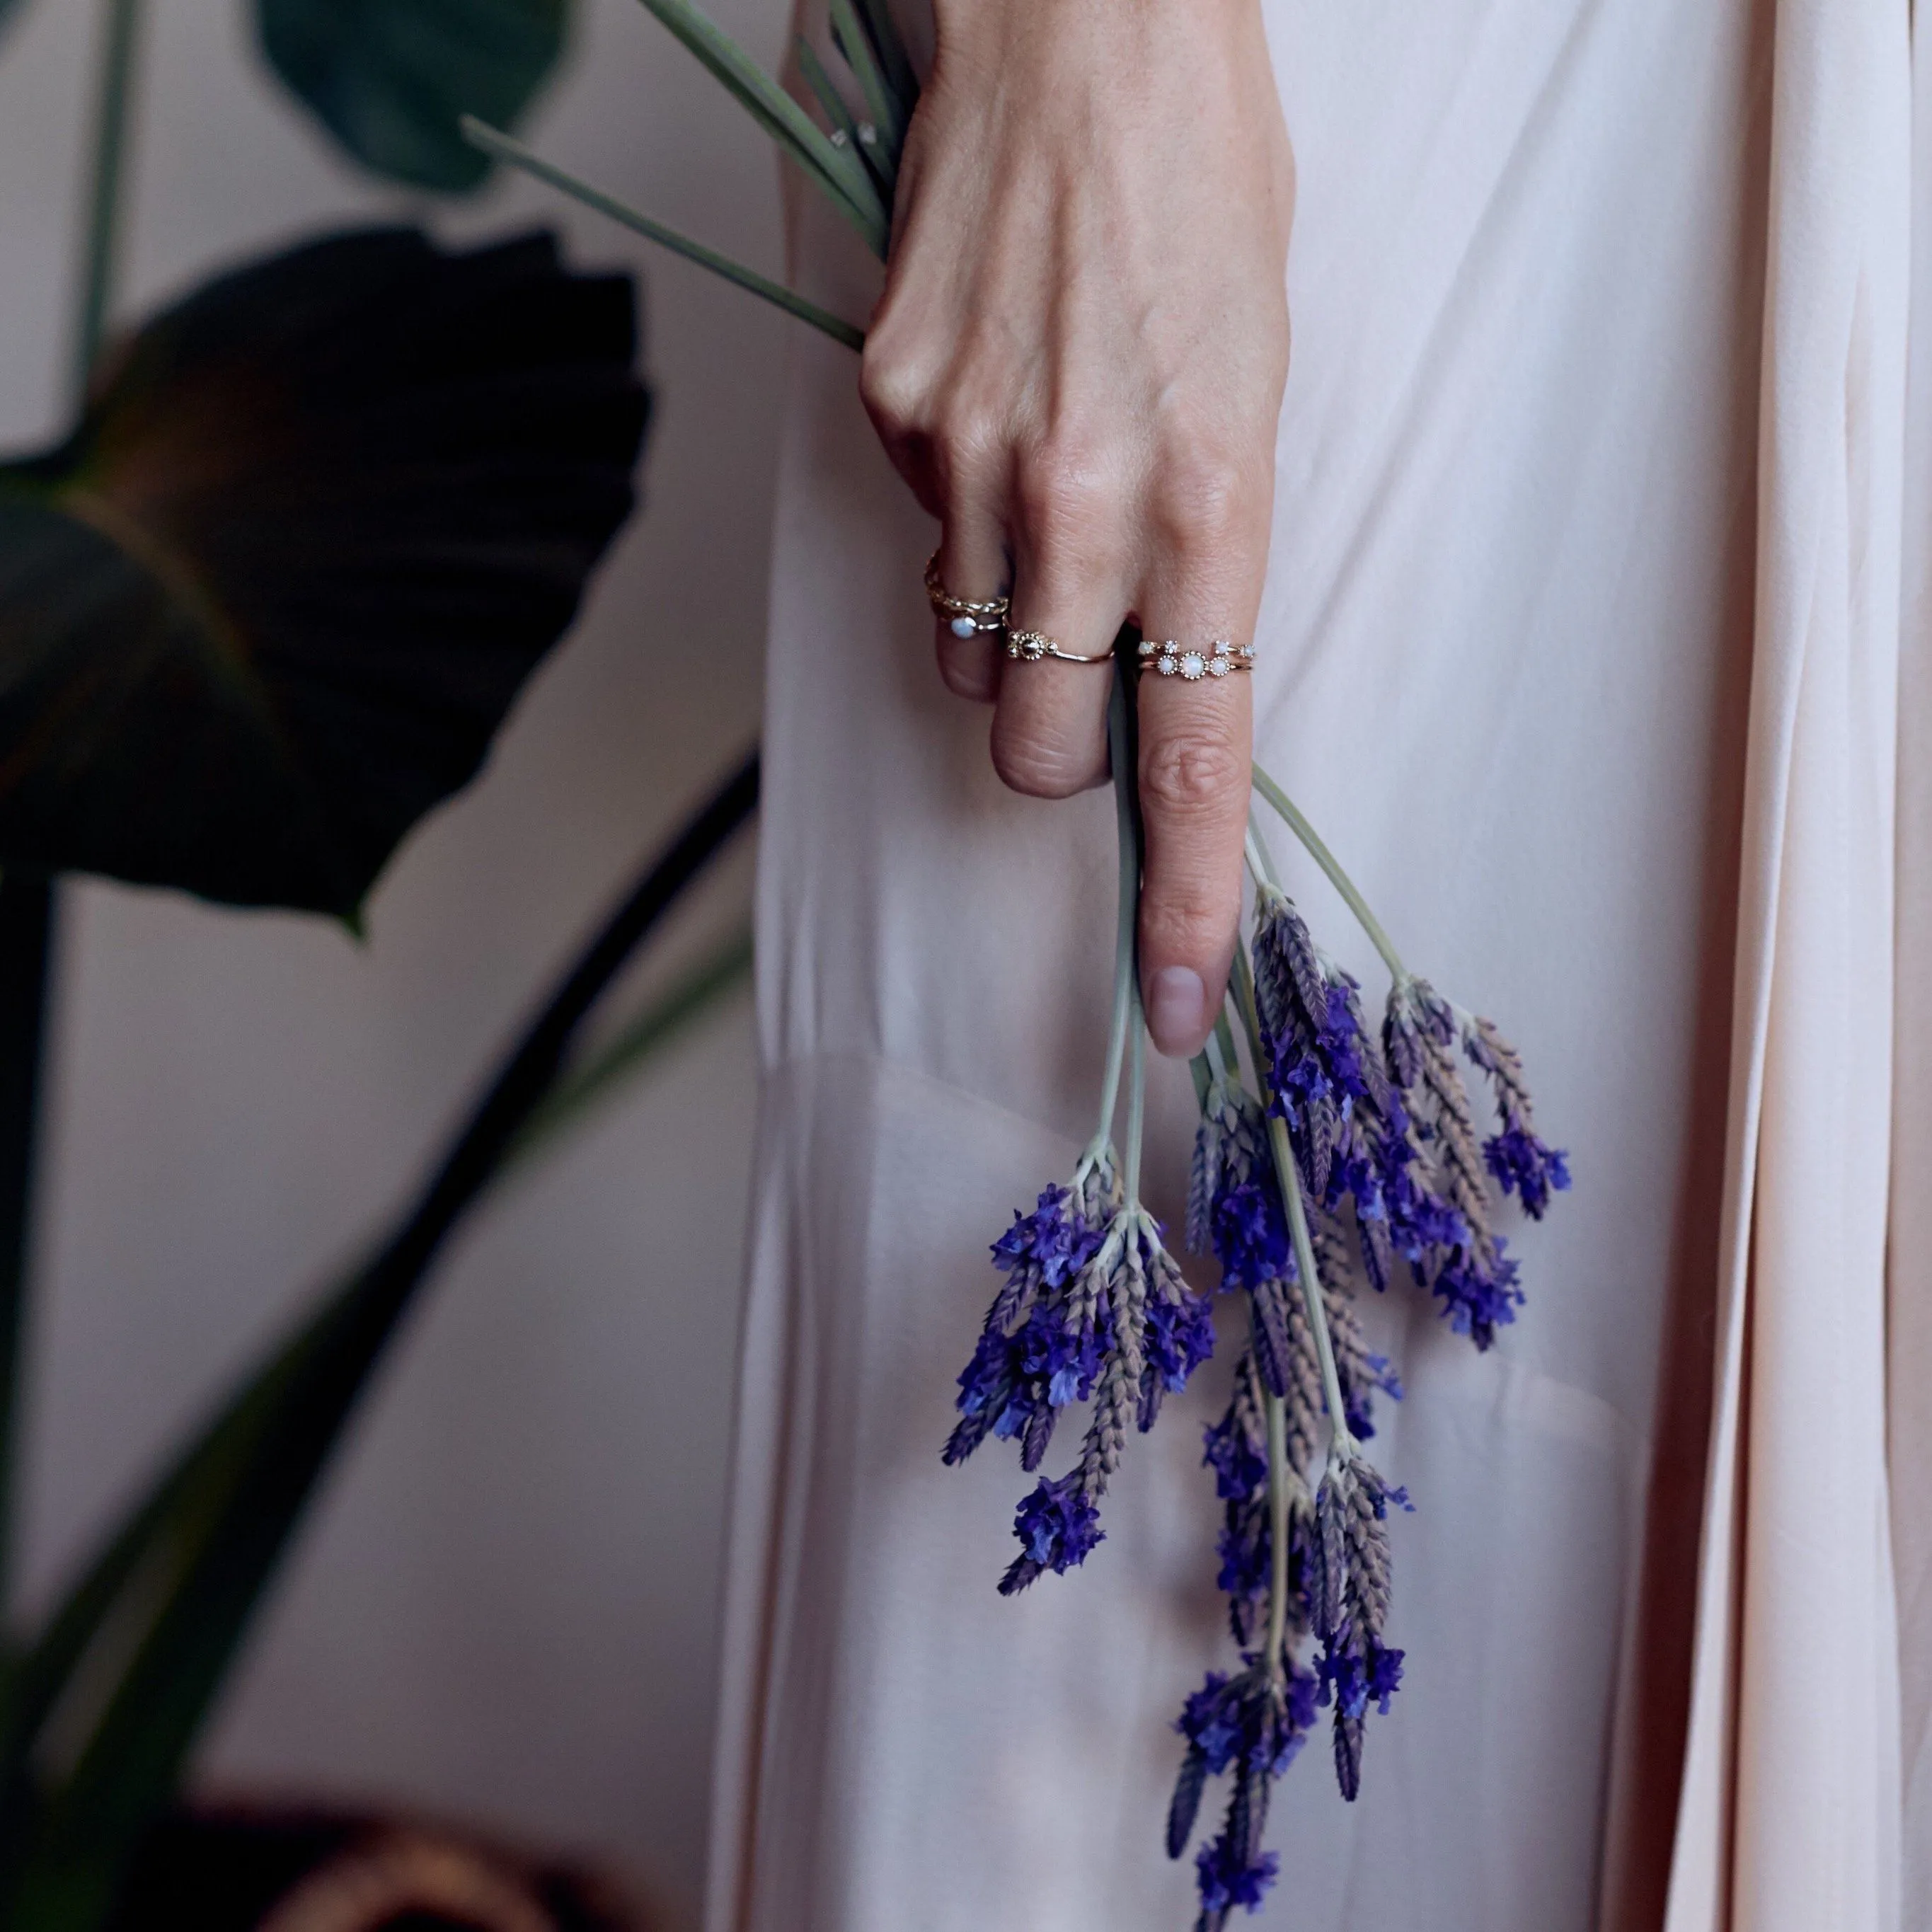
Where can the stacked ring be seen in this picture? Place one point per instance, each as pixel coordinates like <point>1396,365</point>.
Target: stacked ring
<point>1032,646</point>
<point>965,618</point>
<point>1218,660</point>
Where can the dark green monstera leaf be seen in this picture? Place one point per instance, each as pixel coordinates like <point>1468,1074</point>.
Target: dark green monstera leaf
<point>321,521</point>
<point>391,79</point>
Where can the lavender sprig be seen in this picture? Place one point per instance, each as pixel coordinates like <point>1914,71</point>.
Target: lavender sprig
<point>1251,1726</point>
<point>1522,1164</point>
<point>1348,1600</point>
<point>1094,1308</point>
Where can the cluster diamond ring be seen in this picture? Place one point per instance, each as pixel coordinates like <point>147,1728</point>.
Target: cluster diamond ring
<point>1174,660</point>
<point>965,617</point>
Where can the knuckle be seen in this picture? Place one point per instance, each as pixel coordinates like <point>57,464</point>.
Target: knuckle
<point>1043,767</point>
<point>1184,919</point>
<point>1190,776</point>
<point>1208,502</point>
<point>968,434</point>
<point>1070,493</point>
<point>893,387</point>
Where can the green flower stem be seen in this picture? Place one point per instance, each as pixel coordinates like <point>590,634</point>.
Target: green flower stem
<point>1126,1003</point>
<point>1327,860</point>
<point>493,141</point>
<point>1279,1477</point>
<point>1260,860</point>
<point>1288,1179</point>
<point>1130,1176</point>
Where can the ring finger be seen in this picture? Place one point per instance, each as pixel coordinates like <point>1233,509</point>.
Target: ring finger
<point>971,569</point>
<point>1050,731</point>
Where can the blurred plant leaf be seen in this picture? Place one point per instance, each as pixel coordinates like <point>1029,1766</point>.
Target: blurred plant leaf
<point>518,156</point>
<point>103,1709</point>
<point>390,79</point>
<point>321,521</point>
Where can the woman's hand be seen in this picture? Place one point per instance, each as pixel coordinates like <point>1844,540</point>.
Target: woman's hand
<point>1078,365</point>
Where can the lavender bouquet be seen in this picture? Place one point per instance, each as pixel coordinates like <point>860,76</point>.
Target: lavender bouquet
<point>1328,1154</point>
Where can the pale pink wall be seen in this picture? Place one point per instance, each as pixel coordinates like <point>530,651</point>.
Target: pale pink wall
<point>506,1606</point>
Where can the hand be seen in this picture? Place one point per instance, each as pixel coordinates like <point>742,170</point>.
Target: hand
<point>1077,365</point>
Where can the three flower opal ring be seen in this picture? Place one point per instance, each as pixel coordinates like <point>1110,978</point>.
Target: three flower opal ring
<point>1218,660</point>
<point>965,617</point>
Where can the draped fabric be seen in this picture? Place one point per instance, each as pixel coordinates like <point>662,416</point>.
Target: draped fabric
<point>1602,515</point>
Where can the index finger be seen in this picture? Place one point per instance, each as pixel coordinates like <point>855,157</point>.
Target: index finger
<point>1196,747</point>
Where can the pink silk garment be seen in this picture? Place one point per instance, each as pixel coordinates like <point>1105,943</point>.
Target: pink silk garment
<point>1600,562</point>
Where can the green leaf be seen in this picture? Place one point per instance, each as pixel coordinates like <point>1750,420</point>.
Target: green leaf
<point>391,79</point>
<point>106,1706</point>
<point>321,522</point>
<point>518,156</point>
<point>584,1088</point>
<point>837,172</point>
<point>855,46</point>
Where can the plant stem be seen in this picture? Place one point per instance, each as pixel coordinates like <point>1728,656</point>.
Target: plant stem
<point>1127,912</point>
<point>582,1089</point>
<point>1327,860</point>
<point>494,142</point>
<point>1287,1180</point>
<point>1130,1179</point>
<point>1278,1500</point>
<point>107,179</point>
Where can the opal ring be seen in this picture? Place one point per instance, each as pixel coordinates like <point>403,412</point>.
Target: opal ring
<point>1218,660</point>
<point>964,617</point>
<point>1031,646</point>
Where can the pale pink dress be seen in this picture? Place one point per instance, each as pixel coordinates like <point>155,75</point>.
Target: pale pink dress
<point>1581,644</point>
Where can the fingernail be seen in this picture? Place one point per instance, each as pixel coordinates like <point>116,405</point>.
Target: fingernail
<point>1176,1010</point>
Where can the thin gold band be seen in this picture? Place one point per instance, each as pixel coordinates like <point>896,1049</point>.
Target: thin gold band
<point>965,615</point>
<point>1031,646</point>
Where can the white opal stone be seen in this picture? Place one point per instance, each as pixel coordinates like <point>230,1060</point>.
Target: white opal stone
<point>1192,665</point>
<point>963,627</point>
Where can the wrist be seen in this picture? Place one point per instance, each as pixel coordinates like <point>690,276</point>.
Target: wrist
<point>992,24</point>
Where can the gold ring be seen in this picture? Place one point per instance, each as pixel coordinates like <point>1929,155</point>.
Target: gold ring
<point>1173,660</point>
<point>965,618</point>
<point>1032,646</point>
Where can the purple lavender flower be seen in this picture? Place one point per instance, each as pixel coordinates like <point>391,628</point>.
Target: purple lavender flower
<point>1523,1165</point>
<point>1042,1344</point>
<point>1093,1309</point>
<point>1229,1876</point>
<point>1325,1079</point>
<point>1233,1207</point>
<point>1251,1726</point>
<point>1348,1600</point>
<point>1236,1450</point>
<point>1057,1525</point>
<point>1435,1177</point>
<point>1527,1166</point>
